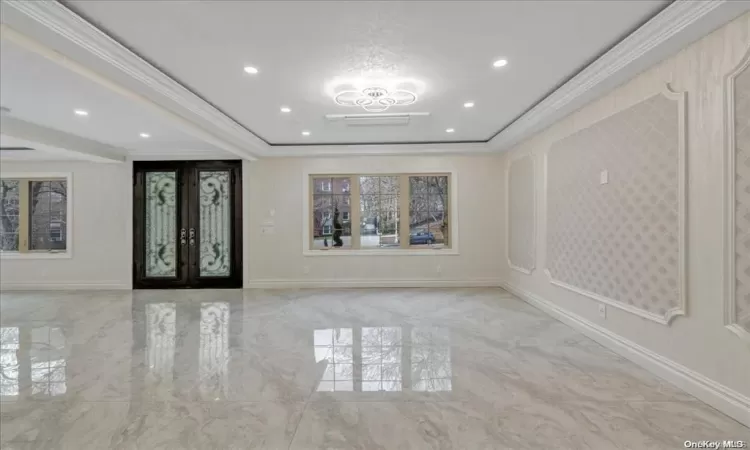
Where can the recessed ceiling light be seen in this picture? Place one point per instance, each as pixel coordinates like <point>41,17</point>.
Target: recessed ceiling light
<point>469,105</point>
<point>80,112</point>
<point>250,69</point>
<point>285,109</point>
<point>305,133</point>
<point>500,63</point>
<point>450,130</point>
<point>145,135</point>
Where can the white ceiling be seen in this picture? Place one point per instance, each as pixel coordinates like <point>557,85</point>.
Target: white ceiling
<point>40,91</point>
<point>300,47</point>
<point>186,87</point>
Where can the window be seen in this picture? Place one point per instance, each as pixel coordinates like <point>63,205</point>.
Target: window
<point>330,202</point>
<point>428,206</point>
<point>379,206</point>
<point>380,211</point>
<point>33,215</point>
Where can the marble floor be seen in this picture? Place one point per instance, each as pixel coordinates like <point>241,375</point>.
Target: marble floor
<point>343,369</point>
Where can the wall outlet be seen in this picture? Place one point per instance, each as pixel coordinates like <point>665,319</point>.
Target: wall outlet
<point>438,269</point>
<point>604,177</point>
<point>602,311</point>
<point>306,270</point>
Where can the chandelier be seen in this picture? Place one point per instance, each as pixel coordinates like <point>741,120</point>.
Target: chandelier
<point>375,99</point>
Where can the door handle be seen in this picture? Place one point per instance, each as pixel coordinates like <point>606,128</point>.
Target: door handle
<point>182,237</point>
<point>192,236</point>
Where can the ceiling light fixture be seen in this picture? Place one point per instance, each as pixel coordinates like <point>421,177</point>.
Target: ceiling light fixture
<point>469,105</point>
<point>305,133</point>
<point>500,63</point>
<point>375,98</point>
<point>145,135</point>
<point>285,109</point>
<point>80,112</point>
<point>450,130</point>
<point>251,70</point>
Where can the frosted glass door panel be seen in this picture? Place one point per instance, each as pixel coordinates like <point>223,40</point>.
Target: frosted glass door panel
<point>161,224</point>
<point>215,218</point>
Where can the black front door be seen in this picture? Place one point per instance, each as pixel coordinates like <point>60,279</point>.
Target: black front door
<point>187,224</point>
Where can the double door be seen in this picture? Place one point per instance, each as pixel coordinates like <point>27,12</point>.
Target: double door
<point>187,224</point>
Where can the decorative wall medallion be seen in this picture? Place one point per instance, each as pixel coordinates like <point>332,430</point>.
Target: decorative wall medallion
<point>737,249</point>
<point>375,99</point>
<point>622,241</point>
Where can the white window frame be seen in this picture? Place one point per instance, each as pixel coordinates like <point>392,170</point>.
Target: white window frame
<point>43,254</point>
<point>432,251</point>
<point>326,187</point>
<point>345,216</point>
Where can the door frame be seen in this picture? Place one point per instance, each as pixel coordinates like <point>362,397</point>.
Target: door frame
<point>187,255</point>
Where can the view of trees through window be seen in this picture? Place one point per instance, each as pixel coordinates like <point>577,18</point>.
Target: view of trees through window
<point>9,212</point>
<point>46,210</point>
<point>48,205</point>
<point>428,206</point>
<point>329,195</point>
<point>374,214</point>
<point>379,221</point>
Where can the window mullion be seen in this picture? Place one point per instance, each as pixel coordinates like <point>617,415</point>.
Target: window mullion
<point>24,215</point>
<point>403,206</point>
<point>354,210</point>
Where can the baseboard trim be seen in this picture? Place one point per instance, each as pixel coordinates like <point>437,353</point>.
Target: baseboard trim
<point>331,284</point>
<point>724,399</point>
<point>113,286</point>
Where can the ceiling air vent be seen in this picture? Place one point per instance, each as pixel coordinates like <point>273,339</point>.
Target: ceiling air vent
<point>14,149</point>
<point>374,120</point>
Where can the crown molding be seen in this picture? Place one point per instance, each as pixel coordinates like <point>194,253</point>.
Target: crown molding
<point>649,42</point>
<point>291,151</point>
<point>72,27</point>
<point>180,155</point>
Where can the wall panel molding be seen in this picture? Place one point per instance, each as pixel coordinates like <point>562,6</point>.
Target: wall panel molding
<point>737,207</point>
<point>721,397</point>
<point>518,233</point>
<point>622,241</point>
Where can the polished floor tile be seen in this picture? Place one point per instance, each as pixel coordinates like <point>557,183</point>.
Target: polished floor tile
<point>307,369</point>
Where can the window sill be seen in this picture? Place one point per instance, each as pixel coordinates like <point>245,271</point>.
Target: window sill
<point>36,255</point>
<point>383,252</point>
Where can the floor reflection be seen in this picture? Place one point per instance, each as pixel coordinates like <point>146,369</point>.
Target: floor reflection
<point>186,346</point>
<point>390,359</point>
<point>35,358</point>
<point>214,349</point>
<point>9,346</point>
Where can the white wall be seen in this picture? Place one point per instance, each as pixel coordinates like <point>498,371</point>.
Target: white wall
<point>277,259</point>
<point>698,341</point>
<point>102,230</point>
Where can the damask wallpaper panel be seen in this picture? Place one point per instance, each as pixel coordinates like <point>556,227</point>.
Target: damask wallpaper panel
<point>621,242</point>
<point>521,214</point>
<point>738,310</point>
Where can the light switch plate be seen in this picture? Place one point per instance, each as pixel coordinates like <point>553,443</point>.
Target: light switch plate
<point>602,311</point>
<point>604,177</point>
